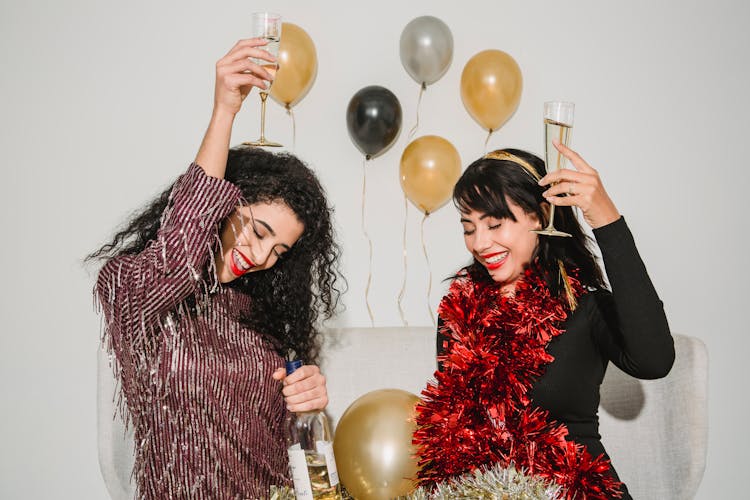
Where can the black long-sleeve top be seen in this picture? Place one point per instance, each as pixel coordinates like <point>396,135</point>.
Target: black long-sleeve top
<point>626,326</point>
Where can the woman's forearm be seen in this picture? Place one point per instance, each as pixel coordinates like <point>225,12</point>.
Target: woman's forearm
<point>214,149</point>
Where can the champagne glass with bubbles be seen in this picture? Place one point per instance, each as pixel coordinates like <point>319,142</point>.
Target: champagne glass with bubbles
<point>558,121</point>
<point>268,26</point>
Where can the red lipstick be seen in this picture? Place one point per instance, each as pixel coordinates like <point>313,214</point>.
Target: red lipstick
<point>494,265</point>
<point>235,267</point>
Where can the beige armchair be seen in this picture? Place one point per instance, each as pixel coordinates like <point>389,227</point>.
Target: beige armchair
<point>655,431</point>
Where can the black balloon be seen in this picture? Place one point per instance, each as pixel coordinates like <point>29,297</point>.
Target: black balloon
<point>373,118</point>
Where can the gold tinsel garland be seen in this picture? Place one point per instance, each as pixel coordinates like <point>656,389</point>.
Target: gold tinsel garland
<point>488,483</point>
<point>492,483</point>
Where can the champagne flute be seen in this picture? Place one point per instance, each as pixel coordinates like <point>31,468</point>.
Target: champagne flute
<point>558,120</point>
<point>268,26</point>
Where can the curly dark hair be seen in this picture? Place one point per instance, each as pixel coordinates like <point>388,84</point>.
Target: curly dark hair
<point>487,185</point>
<point>293,297</point>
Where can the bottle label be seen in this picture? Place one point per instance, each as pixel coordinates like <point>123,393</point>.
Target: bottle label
<point>298,464</point>
<point>325,448</point>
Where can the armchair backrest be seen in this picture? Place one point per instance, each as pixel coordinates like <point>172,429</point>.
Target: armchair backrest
<point>115,443</point>
<point>656,431</point>
<point>359,360</point>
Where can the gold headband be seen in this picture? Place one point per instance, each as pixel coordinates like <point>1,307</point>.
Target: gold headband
<point>504,155</point>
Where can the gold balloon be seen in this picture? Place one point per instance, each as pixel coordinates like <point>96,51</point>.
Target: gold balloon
<point>372,444</point>
<point>491,85</point>
<point>430,167</point>
<point>298,65</point>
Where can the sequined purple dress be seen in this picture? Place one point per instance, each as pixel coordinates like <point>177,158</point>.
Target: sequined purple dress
<point>208,417</point>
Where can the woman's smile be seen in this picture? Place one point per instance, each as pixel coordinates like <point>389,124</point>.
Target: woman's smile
<point>494,260</point>
<point>240,263</point>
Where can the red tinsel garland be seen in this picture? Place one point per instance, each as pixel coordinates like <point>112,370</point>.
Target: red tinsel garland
<point>479,412</point>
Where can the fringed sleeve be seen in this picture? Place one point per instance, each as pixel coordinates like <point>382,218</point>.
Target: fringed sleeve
<point>137,291</point>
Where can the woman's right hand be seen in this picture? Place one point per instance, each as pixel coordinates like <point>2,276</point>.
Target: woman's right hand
<point>237,74</point>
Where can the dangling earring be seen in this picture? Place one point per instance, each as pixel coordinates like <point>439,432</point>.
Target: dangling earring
<point>572,302</point>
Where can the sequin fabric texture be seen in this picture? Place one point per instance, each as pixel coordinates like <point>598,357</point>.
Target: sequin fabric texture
<point>195,383</point>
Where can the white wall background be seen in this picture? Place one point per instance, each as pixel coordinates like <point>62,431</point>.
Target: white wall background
<point>103,103</point>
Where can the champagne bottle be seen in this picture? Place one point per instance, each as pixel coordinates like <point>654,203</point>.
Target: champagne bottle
<point>311,459</point>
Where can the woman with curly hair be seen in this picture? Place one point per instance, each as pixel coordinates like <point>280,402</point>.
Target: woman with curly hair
<point>204,293</point>
<point>528,328</point>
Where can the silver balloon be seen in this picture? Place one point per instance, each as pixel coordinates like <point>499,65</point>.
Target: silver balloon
<point>426,49</point>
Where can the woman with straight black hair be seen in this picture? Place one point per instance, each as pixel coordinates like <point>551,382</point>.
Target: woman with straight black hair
<point>527,329</point>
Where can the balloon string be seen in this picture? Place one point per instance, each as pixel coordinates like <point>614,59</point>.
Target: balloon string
<point>427,259</point>
<point>403,282</point>
<point>294,128</point>
<point>487,140</point>
<point>413,130</point>
<point>369,242</point>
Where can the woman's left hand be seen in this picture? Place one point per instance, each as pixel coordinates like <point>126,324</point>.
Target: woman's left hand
<point>304,389</point>
<point>583,188</point>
